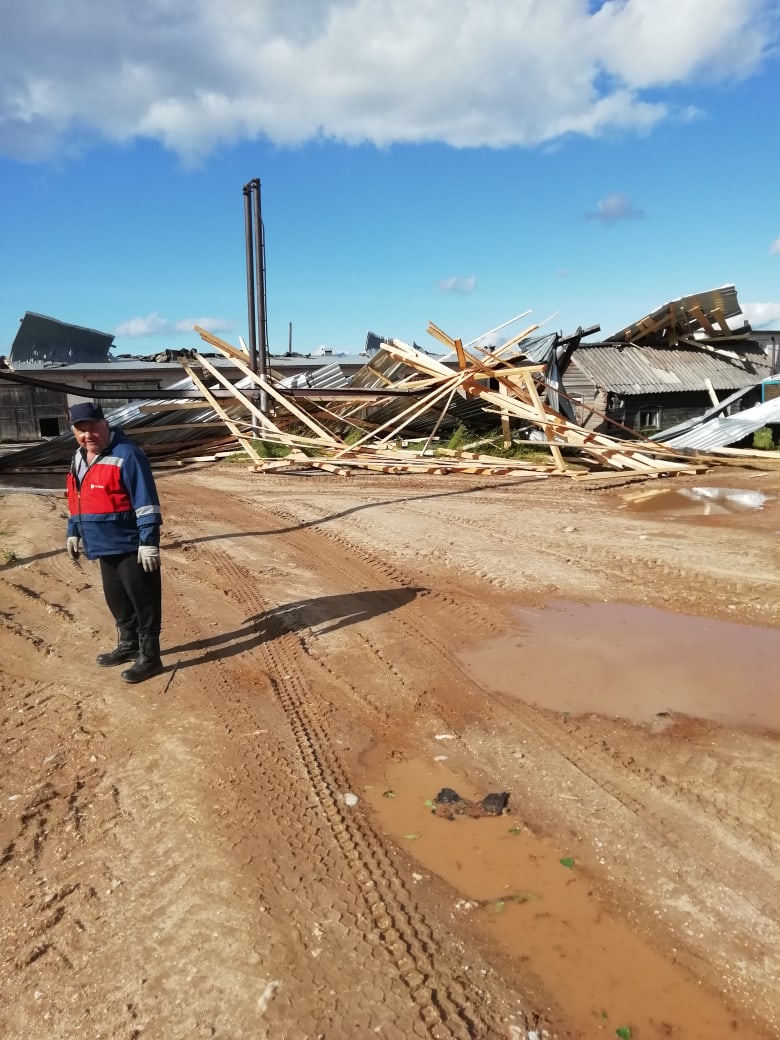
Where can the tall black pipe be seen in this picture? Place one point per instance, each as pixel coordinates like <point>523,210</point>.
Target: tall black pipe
<point>250,278</point>
<point>262,321</point>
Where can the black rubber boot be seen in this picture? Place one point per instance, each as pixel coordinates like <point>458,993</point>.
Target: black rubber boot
<point>125,650</point>
<point>147,664</point>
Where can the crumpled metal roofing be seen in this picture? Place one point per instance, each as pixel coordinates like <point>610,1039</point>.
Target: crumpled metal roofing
<point>327,378</point>
<point>41,340</point>
<point>723,430</point>
<point>184,432</point>
<point>628,369</point>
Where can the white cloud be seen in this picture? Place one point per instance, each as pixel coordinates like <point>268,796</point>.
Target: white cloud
<point>154,325</point>
<point>195,74</point>
<point>774,247</point>
<point>209,324</point>
<point>614,208</point>
<point>458,284</point>
<point>151,325</point>
<point>762,315</point>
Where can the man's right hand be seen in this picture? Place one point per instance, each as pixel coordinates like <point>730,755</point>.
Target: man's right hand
<point>73,545</point>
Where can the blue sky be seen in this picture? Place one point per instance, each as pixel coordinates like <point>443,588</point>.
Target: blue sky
<point>420,160</point>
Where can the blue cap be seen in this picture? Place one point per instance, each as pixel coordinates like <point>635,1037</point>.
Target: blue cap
<point>87,412</point>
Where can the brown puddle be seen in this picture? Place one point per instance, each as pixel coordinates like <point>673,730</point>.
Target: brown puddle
<point>695,501</point>
<point>636,663</point>
<point>543,914</point>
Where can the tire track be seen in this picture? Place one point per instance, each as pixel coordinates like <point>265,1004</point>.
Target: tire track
<point>442,1000</point>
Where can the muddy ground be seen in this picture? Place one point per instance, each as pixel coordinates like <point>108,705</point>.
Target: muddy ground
<point>246,847</point>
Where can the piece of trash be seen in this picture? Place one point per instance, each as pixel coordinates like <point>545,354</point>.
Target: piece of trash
<point>567,861</point>
<point>267,996</point>
<point>388,794</point>
<point>623,1032</point>
<point>515,830</point>
<point>523,897</point>
<point>466,904</point>
<point>351,799</point>
<point>444,736</point>
<point>497,905</point>
<point>449,804</point>
<point>440,758</point>
<point>411,837</point>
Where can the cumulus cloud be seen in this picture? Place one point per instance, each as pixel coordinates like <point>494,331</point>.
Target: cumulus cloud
<point>154,325</point>
<point>458,284</point>
<point>614,208</point>
<point>774,247</point>
<point>762,315</point>
<point>197,74</point>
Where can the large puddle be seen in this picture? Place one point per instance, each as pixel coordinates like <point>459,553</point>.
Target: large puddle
<point>534,901</point>
<point>695,501</point>
<point>636,663</point>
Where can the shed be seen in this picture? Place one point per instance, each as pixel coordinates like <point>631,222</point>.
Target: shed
<point>650,388</point>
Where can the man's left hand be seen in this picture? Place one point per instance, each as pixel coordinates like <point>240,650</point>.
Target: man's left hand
<point>149,557</point>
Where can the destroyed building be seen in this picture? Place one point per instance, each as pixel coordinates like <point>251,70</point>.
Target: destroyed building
<point>675,363</point>
<point>588,404</point>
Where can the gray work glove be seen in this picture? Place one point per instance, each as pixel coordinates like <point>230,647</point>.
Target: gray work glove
<point>149,557</point>
<point>73,545</point>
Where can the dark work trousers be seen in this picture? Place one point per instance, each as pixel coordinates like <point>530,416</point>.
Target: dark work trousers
<point>133,595</point>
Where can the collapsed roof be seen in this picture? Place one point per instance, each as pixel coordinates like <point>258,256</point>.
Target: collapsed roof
<point>42,342</point>
<point>704,313</point>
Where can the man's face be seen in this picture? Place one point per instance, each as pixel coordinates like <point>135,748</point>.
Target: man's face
<point>94,436</point>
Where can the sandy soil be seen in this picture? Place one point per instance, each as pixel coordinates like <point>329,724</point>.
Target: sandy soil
<point>244,847</point>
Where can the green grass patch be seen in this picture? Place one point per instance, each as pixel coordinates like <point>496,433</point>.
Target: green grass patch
<point>763,439</point>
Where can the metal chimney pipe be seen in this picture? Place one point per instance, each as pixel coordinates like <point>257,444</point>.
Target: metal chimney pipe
<point>250,278</point>
<point>262,321</point>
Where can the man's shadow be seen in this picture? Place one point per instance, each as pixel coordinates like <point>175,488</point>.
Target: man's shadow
<point>325,613</point>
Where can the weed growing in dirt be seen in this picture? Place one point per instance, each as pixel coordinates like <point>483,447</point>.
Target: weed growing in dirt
<point>492,443</point>
<point>354,435</point>
<point>763,439</point>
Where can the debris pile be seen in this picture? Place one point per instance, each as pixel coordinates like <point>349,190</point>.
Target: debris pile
<point>631,404</point>
<point>507,387</point>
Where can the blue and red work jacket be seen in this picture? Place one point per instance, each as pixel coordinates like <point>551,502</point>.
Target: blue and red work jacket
<point>113,501</point>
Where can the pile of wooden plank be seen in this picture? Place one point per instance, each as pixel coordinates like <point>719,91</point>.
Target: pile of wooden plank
<point>511,389</point>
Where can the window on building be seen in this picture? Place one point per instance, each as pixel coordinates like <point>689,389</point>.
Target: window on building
<point>49,427</point>
<point>650,419</point>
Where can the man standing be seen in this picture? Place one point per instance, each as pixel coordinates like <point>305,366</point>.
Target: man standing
<point>115,518</point>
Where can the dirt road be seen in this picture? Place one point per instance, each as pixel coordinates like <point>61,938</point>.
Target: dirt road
<point>245,847</point>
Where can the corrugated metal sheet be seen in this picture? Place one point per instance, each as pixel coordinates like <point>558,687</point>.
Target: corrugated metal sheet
<point>630,370</point>
<point>688,424</point>
<point>186,432</point>
<point>327,378</point>
<point>723,430</point>
<point>42,340</point>
<point>114,369</point>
